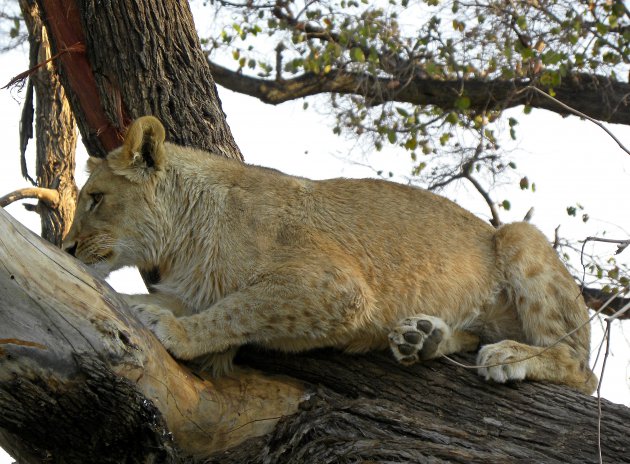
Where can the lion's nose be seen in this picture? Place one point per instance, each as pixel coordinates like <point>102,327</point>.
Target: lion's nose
<point>71,248</point>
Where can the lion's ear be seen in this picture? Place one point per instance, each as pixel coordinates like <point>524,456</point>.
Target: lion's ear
<point>142,152</point>
<point>93,163</point>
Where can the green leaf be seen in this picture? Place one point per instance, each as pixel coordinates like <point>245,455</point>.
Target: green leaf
<point>506,205</point>
<point>411,144</point>
<point>452,118</point>
<point>357,55</point>
<point>462,103</point>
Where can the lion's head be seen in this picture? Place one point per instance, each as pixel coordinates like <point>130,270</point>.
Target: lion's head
<point>116,214</point>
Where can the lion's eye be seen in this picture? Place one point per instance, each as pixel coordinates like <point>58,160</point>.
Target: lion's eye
<point>97,197</point>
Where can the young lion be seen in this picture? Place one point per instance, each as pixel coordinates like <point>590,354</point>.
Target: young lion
<point>251,255</point>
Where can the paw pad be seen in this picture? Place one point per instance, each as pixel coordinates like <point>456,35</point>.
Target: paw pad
<point>417,338</point>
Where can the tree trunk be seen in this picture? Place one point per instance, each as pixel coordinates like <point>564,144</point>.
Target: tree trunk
<point>82,381</point>
<point>123,59</point>
<point>56,137</point>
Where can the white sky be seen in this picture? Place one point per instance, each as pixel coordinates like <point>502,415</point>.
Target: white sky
<point>571,161</point>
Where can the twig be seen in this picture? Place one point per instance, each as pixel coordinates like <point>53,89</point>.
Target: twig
<point>496,220</point>
<point>577,113</point>
<point>622,244</point>
<point>48,196</point>
<point>599,387</point>
<point>77,47</point>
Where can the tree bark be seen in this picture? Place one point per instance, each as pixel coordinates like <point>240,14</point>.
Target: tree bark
<point>123,59</point>
<point>82,381</point>
<point>56,137</point>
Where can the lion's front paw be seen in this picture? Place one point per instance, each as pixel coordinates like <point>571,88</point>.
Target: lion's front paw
<point>417,338</point>
<point>165,326</point>
<point>499,362</point>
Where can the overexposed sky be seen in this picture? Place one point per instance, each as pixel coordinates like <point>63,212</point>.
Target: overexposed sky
<point>571,161</point>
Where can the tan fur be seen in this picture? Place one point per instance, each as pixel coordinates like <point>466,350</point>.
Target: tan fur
<point>251,255</point>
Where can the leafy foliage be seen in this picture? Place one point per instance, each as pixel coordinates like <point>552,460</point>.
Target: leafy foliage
<point>540,42</point>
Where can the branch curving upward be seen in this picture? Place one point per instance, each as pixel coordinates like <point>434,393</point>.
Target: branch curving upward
<point>48,196</point>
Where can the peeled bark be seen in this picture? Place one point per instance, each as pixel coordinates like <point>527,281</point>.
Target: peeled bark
<point>124,59</point>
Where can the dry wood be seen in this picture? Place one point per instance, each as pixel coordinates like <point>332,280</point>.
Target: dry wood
<point>76,368</point>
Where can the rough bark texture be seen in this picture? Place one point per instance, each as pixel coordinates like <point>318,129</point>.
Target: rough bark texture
<point>56,137</point>
<point>596,96</point>
<point>368,409</point>
<point>141,57</point>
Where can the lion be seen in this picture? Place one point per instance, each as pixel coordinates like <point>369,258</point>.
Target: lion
<point>247,254</point>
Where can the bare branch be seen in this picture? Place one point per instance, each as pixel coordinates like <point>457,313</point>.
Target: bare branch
<point>48,196</point>
<point>622,244</point>
<point>496,220</point>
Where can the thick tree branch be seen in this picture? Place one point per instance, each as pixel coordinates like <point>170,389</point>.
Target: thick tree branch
<point>48,196</point>
<point>76,367</point>
<point>72,360</point>
<point>596,96</point>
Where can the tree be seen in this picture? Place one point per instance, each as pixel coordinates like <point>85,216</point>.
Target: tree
<point>412,72</point>
<point>74,363</point>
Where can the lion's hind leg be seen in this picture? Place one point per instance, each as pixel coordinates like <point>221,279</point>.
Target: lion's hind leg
<point>426,337</point>
<point>509,360</point>
<point>553,317</point>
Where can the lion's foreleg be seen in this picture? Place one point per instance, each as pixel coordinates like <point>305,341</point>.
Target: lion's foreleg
<point>300,306</point>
